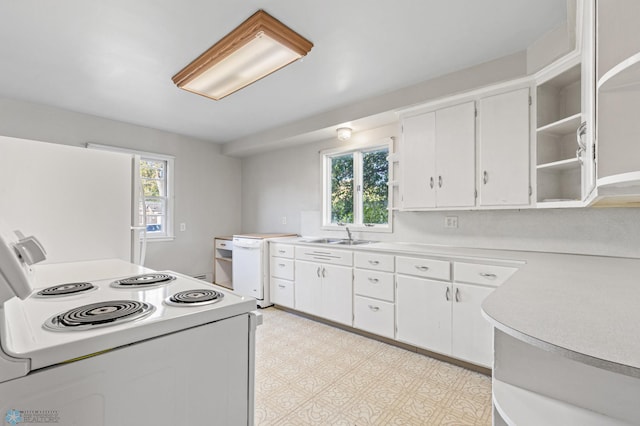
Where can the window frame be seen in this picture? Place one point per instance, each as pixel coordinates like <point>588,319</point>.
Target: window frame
<point>137,156</point>
<point>357,151</point>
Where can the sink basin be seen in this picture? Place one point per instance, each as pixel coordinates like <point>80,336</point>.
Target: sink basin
<point>337,241</point>
<point>353,242</point>
<point>323,240</point>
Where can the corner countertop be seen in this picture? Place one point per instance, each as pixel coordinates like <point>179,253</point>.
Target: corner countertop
<point>584,307</point>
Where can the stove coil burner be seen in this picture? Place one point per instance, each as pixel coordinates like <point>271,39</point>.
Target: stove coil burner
<point>145,280</point>
<point>101,314</point>
<point>67,289</point>
<point>194,298</point>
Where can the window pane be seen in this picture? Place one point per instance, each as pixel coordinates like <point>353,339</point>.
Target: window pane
<point>153,173</point>
<point>375,191</point>
<point>342,189</point>
<point>155,209</point>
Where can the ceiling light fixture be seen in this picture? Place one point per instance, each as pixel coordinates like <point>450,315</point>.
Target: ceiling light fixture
<point>344,133</point>
<point>255,49</point>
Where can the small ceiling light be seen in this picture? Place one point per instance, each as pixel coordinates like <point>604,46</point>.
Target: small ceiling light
<point>255,49</point>
<point>344,134</point>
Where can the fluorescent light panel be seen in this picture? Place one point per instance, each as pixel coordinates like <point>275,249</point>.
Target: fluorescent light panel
<point>258,47</point>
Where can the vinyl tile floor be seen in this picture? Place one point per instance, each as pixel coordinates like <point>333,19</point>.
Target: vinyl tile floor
<point>308,373</point>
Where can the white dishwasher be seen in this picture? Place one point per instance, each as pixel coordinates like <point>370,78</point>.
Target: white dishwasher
<point>250,266</point>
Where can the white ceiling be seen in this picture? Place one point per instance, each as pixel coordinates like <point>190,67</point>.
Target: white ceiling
<point>115,58</point>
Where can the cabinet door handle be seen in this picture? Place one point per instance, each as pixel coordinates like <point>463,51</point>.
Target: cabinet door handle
<point>318,272</point>
<point>373,280</point>
<point>447,294</point>
<point>282,265</point>
<point>374,262</point>
<point>488,275</point>
<point>431,182</point>
<point>323,272</point>
<point>281,286</point>
<point>422,268</point>
<point>374,308</point>
<point>457,294</point>
<point>439,181</point>
<point>485,177</point>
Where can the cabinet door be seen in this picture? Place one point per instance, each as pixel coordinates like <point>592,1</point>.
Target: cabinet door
<point>418,161</point>
<point>504,149</point>
<point>472,334</point>
<point>337,293</point>
<point>423,313</point>
<point>455,156</point>
<point>308,287</point>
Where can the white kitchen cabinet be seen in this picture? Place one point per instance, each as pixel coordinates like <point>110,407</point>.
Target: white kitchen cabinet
<point>282,273</point>
<point>374,315</point>
<point>423,313</point>
<point>222,261</point>
<point>418,161</point>
<point>472,335</point>
<point>618,97</point>
<point>324,290</point>
<point>503,149</point>
<point>438,158</point>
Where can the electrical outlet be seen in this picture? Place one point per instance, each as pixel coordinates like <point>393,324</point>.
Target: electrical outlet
<point>451,222</point>
<point>183,227</point>
<point>284,220</point>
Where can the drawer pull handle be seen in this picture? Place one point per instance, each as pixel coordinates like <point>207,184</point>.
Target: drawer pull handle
<point>374,262</point>
<point>282,251</point>
<point>422,268</point>
<point>488,275</point>
<point>447,294</point>
<point>374,308</point>
<point>281,286</point>
<point>223,245</point>
<point>457,294</point>
<point>373,280</point>
<point>282,265</point>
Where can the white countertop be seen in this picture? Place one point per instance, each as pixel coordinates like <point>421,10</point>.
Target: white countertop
<point>584,307</point>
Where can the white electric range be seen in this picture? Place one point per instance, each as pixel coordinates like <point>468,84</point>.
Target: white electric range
<point>94,345</point>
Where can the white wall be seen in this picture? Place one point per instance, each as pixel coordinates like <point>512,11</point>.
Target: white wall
<point>207,184</point>
<point>288,183</point>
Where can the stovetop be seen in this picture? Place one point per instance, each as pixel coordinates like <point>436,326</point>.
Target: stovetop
<point>25,335</point>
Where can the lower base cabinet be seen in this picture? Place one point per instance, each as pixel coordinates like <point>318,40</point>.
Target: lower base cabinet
<point>282,292</point>
<point>472,337</point>
<point>424,313</point>
<point>444,317</point>
<point>324,290</point>
<point>374,316</point>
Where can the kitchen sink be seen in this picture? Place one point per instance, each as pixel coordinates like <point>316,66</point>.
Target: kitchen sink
<point>336,241</point>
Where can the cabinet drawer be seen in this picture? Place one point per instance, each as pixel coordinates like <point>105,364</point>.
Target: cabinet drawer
<point>282,250</point>
<point>282,292</point>
<point>282,268</point>
<point>379,262</point>
<point>374,316</point>
<point>378,285</point>
<point>322,255</point>
<point>224,244</point>
<point>428,268</point>
<point>481,274</point>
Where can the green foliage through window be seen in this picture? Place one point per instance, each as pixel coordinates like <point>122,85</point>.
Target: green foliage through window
<point>359,192</point>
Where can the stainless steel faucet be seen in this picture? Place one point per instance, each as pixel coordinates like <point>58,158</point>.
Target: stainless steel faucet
<point>348,233</point>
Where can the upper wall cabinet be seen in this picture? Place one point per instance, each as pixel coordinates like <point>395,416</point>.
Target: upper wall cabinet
<point>438,159</point>
<point>503,149</point>
<point>565,112</point>
<point>618,102</point>
<point>451,157</point>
